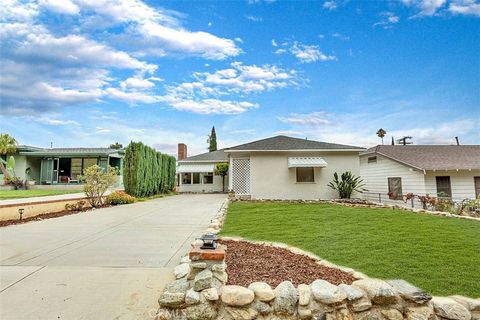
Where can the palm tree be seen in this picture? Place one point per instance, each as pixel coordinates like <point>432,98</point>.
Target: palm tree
<point>381,133</point>
<point>8,145</point>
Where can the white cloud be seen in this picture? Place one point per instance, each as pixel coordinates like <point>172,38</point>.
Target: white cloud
<point>158,32</point>
<point>330,5</point>
<point>12,10</point>
<point>425,7</point>
<point>212,92</point>
<point>55,122</point>
<point>132,97</point>
<point>138,82</point>
<point>274,43</point>
<point>310,119</point>
<point>76,50</point>
<point>465,7</point>
<point>388,20</point>
<point>60,6</point>
<point>340,36</point>
<point>253,18</point>
<point>309,53</point>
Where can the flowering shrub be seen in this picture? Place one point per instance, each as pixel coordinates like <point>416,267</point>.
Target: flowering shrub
<point>119,197</point>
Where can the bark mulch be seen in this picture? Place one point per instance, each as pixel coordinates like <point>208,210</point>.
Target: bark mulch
<point>41,217</point>
<point>248,262</point>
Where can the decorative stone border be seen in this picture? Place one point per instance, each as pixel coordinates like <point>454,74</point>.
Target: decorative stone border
<point>200,293</point>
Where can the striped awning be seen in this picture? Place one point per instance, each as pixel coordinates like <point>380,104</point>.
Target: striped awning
<point>302,162</point>
<point>182,168</point>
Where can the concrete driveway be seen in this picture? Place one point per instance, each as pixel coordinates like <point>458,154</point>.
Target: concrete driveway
<point>104,264</point>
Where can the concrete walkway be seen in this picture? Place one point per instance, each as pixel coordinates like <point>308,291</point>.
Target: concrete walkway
<point>104,264</point>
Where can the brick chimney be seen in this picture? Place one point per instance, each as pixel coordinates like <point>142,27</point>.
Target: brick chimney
<point>182,151</point>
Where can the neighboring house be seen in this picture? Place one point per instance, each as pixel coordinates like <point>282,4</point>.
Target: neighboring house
<point>289,168</point>
<point>61,165</point>
<point>422,169</point>
<point>196,173</point>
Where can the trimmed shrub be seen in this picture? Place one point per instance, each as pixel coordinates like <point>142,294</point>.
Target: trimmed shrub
<point>119,197</point>
<point>147,172</point>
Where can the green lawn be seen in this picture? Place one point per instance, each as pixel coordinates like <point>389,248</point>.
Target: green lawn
<point>438,254</point>
<point>15,194</point>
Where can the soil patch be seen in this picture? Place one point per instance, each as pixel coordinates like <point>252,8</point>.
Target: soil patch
<point>41,217</point>
<point>248,262</point>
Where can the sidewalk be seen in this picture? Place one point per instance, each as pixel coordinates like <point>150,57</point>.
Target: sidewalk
<point>60,197</point>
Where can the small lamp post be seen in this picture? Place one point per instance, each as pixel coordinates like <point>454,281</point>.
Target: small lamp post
<point>209,241</point>
<point>20,211</point>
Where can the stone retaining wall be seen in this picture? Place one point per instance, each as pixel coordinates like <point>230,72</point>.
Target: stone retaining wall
<point>200,292</point>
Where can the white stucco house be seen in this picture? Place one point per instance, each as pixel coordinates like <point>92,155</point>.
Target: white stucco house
<point>275,168</point>
<point>196,173</point>
<point>423,169</point>
<point>283,167</point>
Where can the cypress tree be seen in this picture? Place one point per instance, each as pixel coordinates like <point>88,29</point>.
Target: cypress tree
<point>147,172</point>
<point>212,139</point>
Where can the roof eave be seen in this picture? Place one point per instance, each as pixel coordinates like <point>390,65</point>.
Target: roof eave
<point>297,150</point>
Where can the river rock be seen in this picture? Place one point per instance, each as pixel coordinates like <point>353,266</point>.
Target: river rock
<point>352,292</point>
<point>450,309</point>
<point>181,270</point>
<point>262,290</point>
<point>210,294</point>
<point>420,313</point>
<point>237,295</point>
<point>261,307</point>
<point>204,311</point>
<point>203,280</point>
<point>174,294</point>
<point>304,294</point>
<point>379,291</point>
<point>410,292</point>
<point>325,292</point>
<point>192,297</point>
<point>469,303</point>
<point>286,298</point>
<point>240,313</point>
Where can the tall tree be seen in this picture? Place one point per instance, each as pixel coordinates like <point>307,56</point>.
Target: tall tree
<point>116,146</point>
<point>8,145</point>
<point>381,133</point>
<point>212,140</point>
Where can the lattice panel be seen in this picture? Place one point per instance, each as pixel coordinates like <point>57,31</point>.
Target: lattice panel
<point>241,176</point>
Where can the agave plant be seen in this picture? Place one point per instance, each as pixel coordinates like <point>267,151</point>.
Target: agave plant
<point>347,184</point>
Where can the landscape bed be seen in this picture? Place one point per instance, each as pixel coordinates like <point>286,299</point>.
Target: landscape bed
<point>435,253</point>
<point>248,262</point>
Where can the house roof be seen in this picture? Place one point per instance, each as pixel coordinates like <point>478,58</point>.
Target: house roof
<point>214,156</point>
<point>432,157</point>
<point>74,152</point>
<point>284,143</point>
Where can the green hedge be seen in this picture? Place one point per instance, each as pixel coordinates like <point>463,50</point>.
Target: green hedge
<point>147,172</point>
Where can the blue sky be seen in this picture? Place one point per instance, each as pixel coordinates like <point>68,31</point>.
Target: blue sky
<point>92,72</point>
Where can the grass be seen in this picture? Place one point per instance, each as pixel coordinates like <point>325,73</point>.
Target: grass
<point>156,196</point>
<point>439,254</point>
<point>16,194</point>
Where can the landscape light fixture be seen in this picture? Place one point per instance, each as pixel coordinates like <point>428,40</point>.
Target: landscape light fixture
<point>20,211</point>
<point>209,241</point>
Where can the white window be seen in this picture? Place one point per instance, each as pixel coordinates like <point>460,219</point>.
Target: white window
<point>395,188</point>
<point>186,178</point>
<point>305,174</point>
<point>208,178</point>
<point>196,178</point>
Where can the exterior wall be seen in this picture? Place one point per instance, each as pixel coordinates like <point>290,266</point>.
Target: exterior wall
<point>216,186</point>
<point>272,179</point>
<point>462,182</point>
<point>375,176</point>
<point>20,166</point>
